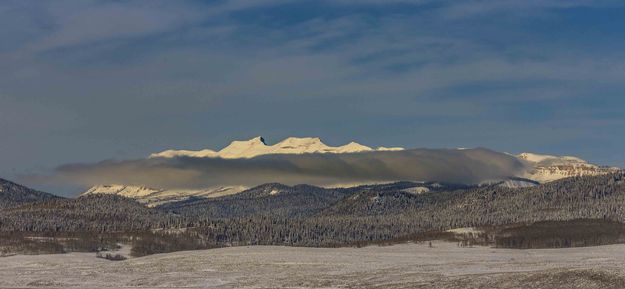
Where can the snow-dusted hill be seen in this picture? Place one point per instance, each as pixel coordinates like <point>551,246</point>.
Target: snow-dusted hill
<point>547,168</point>
<point>257,146</point>
<point>518,183</point>
<point>12,194</point>
<point>154,197</point>
<point>122,190</point>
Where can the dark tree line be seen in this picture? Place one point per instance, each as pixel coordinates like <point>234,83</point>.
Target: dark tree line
<point>93,213</point>
<point>561,234</point>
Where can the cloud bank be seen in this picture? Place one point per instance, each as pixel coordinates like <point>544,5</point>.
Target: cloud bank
<point>445,165</point>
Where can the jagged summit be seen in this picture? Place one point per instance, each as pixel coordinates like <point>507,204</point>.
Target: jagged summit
<point>257,146</point>
<point>243,149</point>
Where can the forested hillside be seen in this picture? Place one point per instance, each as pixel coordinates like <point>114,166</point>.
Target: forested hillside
<point>97,213</point>
<point>277,200</point>
<point>274,214</point>
<point>269,199</point>
<point>12,194</point>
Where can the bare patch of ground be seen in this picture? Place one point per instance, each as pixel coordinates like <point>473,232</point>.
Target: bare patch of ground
<point>445,265</point>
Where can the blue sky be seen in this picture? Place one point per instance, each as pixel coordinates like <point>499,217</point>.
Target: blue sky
<point>83,81</point>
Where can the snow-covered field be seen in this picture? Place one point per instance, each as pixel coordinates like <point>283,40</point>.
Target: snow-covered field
<point>400,266</point>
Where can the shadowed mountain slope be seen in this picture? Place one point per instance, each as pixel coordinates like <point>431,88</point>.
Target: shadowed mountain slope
<point>12,194</point>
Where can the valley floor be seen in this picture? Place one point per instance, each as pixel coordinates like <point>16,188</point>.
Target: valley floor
<point>444,265</point>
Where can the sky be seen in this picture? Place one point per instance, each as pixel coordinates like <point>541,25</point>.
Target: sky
<point>86,81</point>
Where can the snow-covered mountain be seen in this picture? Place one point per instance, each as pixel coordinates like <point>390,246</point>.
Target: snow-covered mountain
<point>547,168</point>
<point>257,146</point>
<point>540,168</point>
<point>154,197</point>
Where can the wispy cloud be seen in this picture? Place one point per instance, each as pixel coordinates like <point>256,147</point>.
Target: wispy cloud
<point>528,8</point>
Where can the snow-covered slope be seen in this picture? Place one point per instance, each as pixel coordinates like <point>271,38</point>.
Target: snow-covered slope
<point>390,149</point>
<point>547,168</point>
<point>257,146</point>
<point>549,159</point>
<point>154,197</point>
<point>518,183</point>
<point>179,153</point>
<point>511,183</point>
<point>122,190</point>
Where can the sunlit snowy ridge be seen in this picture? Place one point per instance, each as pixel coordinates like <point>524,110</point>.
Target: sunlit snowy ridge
<point>543,168</point>
<point>257,146</point>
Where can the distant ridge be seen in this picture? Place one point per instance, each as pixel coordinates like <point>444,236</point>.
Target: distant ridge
<point>543,168</point>
<point>257,146</point>
<point>153,197</point>
<point>548,168</point>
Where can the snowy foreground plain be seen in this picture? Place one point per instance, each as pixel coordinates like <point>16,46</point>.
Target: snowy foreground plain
<point>399,266</point>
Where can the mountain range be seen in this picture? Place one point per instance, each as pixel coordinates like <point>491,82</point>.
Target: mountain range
<point>539,168</point>
<point>257,147</point>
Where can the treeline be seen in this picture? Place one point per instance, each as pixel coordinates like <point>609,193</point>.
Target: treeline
<point>93,213</point>
<point>561,234</point>
<point>58,242</point>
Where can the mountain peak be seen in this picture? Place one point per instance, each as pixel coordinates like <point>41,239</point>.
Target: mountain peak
<point>297,145</point>
<point>244,149</point>
<point>547,168</point>
<point>354,147</point>
<point>259,140</point>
